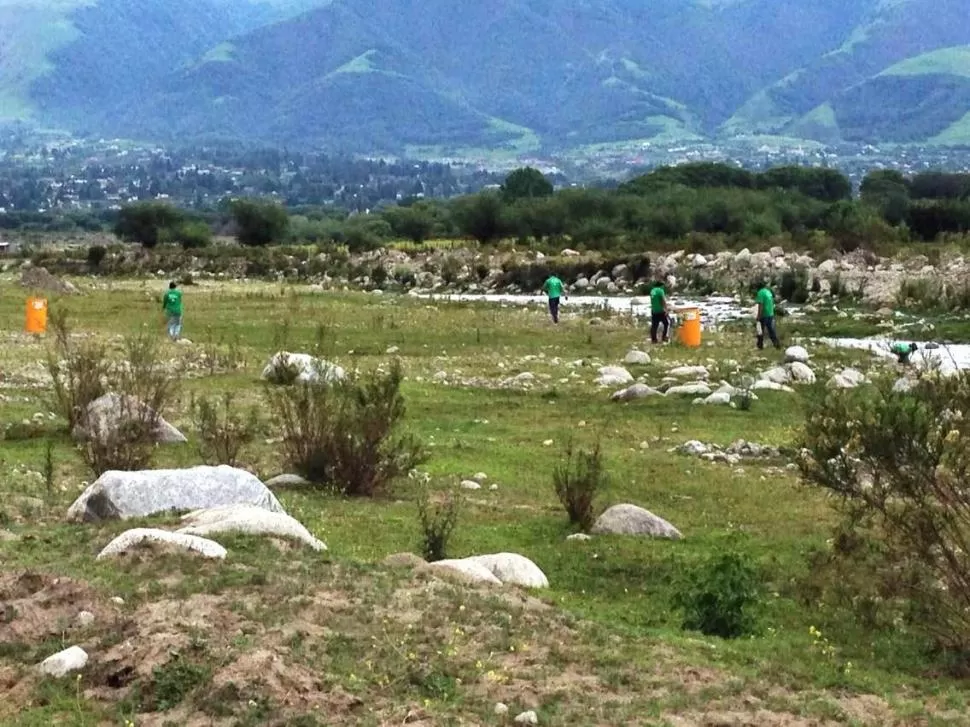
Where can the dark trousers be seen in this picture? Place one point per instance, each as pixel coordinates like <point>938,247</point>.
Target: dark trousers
<point>903,357</point>
<point>657,320</point>
<point>768,327</point>
<point>554,309</point>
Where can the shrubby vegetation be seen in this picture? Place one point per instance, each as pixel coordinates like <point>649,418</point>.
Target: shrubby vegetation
<point>703,206</point>
<point>122,436</point>
<point>897,464</point>
<point>345,435</point>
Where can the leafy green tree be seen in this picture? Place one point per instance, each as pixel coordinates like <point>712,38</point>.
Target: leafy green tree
<point>415,222</point>
<point>479,216</point>
<point>886,191</point>
<point>538,218</point>
<point>526,183</point>
<point>193,234</point>
<point>259,222</point>
<point>147,223</point>
<point>695,175</point>
<point>828,185</point>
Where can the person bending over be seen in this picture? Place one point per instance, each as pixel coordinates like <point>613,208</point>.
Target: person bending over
<point>904,351</point>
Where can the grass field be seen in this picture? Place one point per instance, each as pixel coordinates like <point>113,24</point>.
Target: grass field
<point>278,635</point>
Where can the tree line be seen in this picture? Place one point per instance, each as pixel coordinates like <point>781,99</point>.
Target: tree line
<point>680,203</point>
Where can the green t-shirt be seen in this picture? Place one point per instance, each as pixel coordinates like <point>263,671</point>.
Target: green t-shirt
<point>901,348</point>
<point>172,302</point>
<point>553,287</point>
<point>767,302</point>
<point>657,298</point>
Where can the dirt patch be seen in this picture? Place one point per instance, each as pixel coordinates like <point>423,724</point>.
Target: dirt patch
<point>287,684</point>
<point>760,718</point>
<point>34,607</point>
<point>40,280</point>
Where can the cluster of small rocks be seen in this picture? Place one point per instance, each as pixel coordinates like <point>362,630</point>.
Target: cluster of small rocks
<point>733,454</point>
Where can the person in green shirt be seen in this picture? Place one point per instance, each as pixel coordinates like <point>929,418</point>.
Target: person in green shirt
<point>658,312</point>
<point>172,306</point>
<point>904,351</point>
<point>766,316</point>
<point>553,288</point>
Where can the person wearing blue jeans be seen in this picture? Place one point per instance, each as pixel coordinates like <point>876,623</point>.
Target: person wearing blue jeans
<point>172,306</point>
<point>766,317</point>
<point>553,287</point>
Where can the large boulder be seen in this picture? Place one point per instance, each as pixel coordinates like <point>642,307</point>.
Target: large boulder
<point>800,373</point>
<point>633,520</point>
<point>62,663</point>
<point>637,358</point>
<point>765,385</point>
<point>689,372</point>
<point>121,495</point>
<point>465,570</point>
<point>847,379</point>
<point>614,376</point>
<point>718,398</point>
<point>286,480</point>
<point>777,375</point>
<point>248,519</point>
<point>137,537</point>
<point>637,391</point>
<point>695,389</point>
<point>513,568</point>
<point>107,414</point>
<point>796,354</point>
<point>285,367</point>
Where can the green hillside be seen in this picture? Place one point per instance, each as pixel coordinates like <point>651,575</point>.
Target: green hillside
<point>945,61</point>
<point>368,75</point>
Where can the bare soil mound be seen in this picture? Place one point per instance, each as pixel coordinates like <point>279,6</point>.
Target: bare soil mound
<point>40,280</point>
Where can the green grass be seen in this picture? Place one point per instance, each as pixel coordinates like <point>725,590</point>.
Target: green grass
<point>953,61</point>
<point>358,643</point>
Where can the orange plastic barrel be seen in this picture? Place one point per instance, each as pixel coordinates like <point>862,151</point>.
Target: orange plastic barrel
<point>36,315</point>
<point>690,327</point>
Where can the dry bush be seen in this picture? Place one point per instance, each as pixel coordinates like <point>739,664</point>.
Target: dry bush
<point>438,518</point>
<point>578,479</point>
<point>222,430</point>
<point>79,370</point>
<point>344,434</point>
<point>121,435</point>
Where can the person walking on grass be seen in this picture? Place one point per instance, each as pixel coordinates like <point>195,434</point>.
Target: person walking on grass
<point>766,316</point>
<point>172,306</point>
<point>553,288</point>
<point>903,351</point>
<point>658,313</point>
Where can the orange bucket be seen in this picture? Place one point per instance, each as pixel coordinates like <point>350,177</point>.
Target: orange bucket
<point>36,315</point>
<point>690,327</point>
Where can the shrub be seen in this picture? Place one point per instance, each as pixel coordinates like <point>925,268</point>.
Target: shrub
<point>344,434</point>
<point>897,464</point>
<point>96,255</point>
<point>721,597</point>
<point>78,370</point>
<point>124,438</point>
<point>578,479</point>
<point>193,234</point>
<point>794,286</point>
<point>438,519</point>
<point>222,431</point>
<point>259,222</point>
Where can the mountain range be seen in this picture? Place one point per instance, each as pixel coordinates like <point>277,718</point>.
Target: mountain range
<point>396,75</point>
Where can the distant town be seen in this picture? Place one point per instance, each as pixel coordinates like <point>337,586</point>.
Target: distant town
<point>51,174</point>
